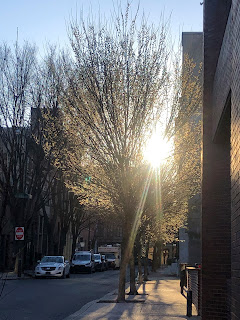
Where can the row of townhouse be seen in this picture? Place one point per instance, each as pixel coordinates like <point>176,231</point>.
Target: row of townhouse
<point>33,196</point>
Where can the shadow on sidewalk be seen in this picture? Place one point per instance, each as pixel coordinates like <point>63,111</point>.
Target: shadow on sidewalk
<point>163,301</point>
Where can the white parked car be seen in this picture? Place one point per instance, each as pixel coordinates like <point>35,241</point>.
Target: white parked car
<point>53,266</point>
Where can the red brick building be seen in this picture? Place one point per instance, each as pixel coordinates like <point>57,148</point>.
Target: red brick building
<point>221,161</point>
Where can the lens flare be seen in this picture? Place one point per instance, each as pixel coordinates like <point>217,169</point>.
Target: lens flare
<point>157,150</point>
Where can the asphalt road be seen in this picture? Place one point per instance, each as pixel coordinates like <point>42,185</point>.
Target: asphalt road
<point>53,299</point>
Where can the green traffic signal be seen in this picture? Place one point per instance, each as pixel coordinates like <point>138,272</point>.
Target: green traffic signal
<point>88,179</point>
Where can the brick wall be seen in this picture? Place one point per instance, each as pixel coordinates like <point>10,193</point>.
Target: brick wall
<point>235,161</point>
<point>222,77</point>
<point>221,109</point>
<point>216,183</point>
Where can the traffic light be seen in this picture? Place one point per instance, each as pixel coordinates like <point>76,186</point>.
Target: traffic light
<point>88,179</point>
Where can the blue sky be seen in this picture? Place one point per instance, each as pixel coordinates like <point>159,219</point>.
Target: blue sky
<point>42,21</point>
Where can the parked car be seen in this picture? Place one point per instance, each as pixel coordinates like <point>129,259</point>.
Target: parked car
<point>83,261</point>
<point>99,262</point>
<point>52,266</point>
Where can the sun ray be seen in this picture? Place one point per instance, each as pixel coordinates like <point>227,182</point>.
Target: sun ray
<point>138,215</point>
<point>141,204</point>
<point>158,190</point>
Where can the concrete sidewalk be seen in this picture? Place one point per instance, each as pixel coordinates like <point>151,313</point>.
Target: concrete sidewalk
<point>27,274</point>
<point>159,298</point>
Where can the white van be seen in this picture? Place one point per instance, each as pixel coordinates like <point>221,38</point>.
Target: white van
<point>112,254</point>
<point>83,261</point>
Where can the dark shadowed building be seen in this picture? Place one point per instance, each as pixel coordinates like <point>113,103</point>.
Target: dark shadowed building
<point>190,242</point>
<point>221,161</point>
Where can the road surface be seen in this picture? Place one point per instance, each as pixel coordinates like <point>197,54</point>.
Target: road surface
<point>53,299</point>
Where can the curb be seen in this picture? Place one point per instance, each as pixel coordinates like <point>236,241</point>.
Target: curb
<point>24,276</point>
<point>105,298</point>
<point>78,313</point>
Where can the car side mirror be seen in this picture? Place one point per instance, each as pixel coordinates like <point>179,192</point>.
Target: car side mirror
<point>38,261</point>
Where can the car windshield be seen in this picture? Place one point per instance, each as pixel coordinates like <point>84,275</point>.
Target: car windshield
<point>52,259</point>
<point>110,256</point>
<point>97,257</point>
<point>81,257</point>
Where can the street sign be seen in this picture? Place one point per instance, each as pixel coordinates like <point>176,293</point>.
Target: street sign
<point>19,233</point>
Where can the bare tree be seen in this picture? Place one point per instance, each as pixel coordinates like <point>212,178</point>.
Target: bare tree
<point>72,189</point>
<point>16,73</point>
<point>24,177</point>
<point>179,178</point>
<point>115,93</point>
<point>79,221</point>
<point>118,85</point>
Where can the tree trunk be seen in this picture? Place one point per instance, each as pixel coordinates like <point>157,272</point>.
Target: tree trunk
<point>145,277</point>
<point>2,252</point>
<point>19,267</point>
<point>154,262</point>
<point>122,281</point>
<point>74,244</point>
<point>129,236</point>
<point>133,289</point>
<point>3,212</point>
<point>123,266</point>
<point>159,253</point>
<point>50,239</point>
<point>18,213</point>
<point>62,244</point>
<point>140,277</point>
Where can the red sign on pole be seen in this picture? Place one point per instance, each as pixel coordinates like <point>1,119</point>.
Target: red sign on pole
<point>19,233</point>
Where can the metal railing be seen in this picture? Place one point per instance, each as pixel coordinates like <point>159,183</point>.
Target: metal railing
<point>190,282</point>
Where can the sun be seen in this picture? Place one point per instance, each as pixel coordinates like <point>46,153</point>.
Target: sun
<point>157,150</point>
